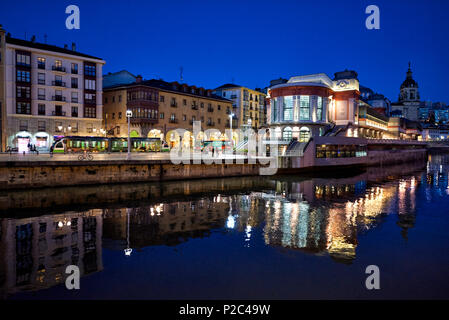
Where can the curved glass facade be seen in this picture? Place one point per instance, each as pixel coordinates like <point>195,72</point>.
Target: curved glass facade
<point>303,108</point>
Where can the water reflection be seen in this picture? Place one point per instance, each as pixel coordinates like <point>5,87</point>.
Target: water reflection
<point>320,216</point>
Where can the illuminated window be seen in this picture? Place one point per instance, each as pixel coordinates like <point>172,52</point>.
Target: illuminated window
<point>304,108</point>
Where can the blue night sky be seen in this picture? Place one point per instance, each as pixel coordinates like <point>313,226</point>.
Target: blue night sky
<point>252,42</point>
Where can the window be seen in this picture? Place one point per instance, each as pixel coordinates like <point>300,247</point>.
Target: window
<point>90,98</point>
<point>106,100</point>
<point>90,112</point>
<point>23,92</point>
<point>120,98</point>
<point>58,63</point>
<point>74,68</point>
<point>75,83</point>
<point>74,111</point>
<point>113,99</point>
<point>113,115</point>
<point>184,102</point>
<point>41,126</point>
<point>75,97</point>
<point>161,98</point>
<point>184,117</point>
<point>202,105</point>
<point>118,130</point>
<point>219,107</point>
<point>304,108</point>
<point>41,78</point>
<point>119,115</point>
<point>41,94</point>
<point>41,63</point>
<point>23,125</point>
<point>89,70</point>
<point>41,109</point>
<point>288,109</point>
<point>319,109</point>
<point>23,108</point>
<point>23,76</point>
<point>23,59</point>
<point>161,115</point>
<point>89,84</point>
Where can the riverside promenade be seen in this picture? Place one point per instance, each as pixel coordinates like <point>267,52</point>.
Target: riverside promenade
<point>18,171</point>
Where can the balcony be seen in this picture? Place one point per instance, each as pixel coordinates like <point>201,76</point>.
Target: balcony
<point>58,113</point>
<point>58,98</point>
<point>58,84</point>
<point>211,123</point>
<point>173,120</point>
<point>174,104</point>
<point>210,109</point>
<point>194,107</point>
<point>74,85</point>
<point>74,100</point>
<point>74,71</point>
<point>41,96</point>
<point>41,81</point>
<point>58,68</point>
<point>90,101</point>
<point>41,66</point>
<point>75,114</point>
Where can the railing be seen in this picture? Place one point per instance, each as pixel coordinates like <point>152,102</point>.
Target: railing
<point>41,66</point>
<point>58,113</point>
<point>74,71</point>
<point>58,68</point>
<point>75,100</point>
<point>74,86</point>
<point>58,83</point>
<point>174,105</point>
<point>75,114</point>
<point>194,107</point>
<point>211,124</point>
<point>41,97</point>
<point>90,101</point>
<point>173,121</point>
<point>58,98</point>
<point>40,81</point>
<point>210,109</point>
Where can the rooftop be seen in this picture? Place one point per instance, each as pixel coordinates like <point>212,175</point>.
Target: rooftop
<point>47,47</point>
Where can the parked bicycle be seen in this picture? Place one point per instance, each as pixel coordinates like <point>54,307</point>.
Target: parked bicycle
<point>85,156</point>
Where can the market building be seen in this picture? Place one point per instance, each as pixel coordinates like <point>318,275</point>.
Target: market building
<point>159,108</point>
<point>47,92</point>
<point>314,105</point>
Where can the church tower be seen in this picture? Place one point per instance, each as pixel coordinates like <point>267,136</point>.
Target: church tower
<point>409,88</point>
<point>408,103</point>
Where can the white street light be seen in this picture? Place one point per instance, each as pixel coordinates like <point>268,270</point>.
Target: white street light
<point>129,114</point>
<point>230,126</point>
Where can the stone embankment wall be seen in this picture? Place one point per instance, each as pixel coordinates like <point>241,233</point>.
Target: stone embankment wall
<point>18,175</point>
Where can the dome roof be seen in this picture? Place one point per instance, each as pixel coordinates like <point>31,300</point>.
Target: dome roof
<point>409,82</point>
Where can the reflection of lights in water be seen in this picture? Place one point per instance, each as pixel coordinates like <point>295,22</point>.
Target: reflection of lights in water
<point>230,223</point>
<point>60,224</point>
<point>248,233</point>
<point>128,252</point>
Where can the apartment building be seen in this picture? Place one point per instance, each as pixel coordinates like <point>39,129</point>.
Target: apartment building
<point>248,106</point>
<point>159,108</point>
<point>47,92</point>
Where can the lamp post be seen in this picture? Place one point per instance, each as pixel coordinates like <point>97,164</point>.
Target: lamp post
<point>129,114</point>
<point>230,126</point>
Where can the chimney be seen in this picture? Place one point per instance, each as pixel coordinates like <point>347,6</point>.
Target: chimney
<point>65,46</point>
<point>139,79</point>
<point>73,46</point>
<point>33,39</point>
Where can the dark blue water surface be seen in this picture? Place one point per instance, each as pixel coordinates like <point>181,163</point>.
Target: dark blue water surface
<point>291,237</point>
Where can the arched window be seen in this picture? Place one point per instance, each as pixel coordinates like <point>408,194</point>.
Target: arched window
<point>304,134</point>
<point>287,133</point>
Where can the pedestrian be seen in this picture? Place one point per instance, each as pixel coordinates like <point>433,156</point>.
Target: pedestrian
<point>51,152</point>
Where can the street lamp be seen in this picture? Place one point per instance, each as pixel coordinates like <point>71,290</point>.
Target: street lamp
<point>129,114</point>
<point>230,126</point>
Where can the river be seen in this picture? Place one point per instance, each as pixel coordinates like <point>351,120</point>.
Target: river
<point>283,237</point>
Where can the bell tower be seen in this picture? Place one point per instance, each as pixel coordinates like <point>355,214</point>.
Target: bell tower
<point>409,88</point>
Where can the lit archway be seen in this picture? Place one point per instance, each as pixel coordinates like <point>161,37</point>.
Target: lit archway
<point>304,134</point>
